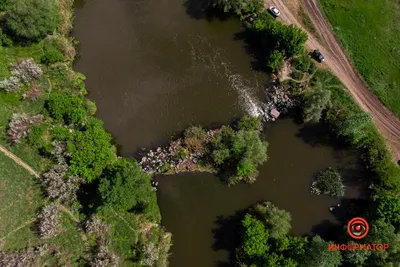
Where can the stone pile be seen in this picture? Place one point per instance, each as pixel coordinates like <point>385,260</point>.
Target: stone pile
<point>278,101</point>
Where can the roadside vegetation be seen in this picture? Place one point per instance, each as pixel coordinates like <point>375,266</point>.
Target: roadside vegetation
<point>370,34</point>
<point>323,99</point>
<point>89,207</point>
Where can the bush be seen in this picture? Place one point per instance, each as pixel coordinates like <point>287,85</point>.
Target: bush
<point>249,123</point>
<point>239,7</point>
<point>53,51</point>
<point>275,61</point>
<point>31,19</point>
<point>314,102</point>
<point>91,150</point>
<point>48,221</point>
<point>194,138</point>
<point>38,137</point>
<point>277,220</point>
<point>67,107</point>
<point>124,186</point>
<point>254,237</point>
<point>19,126</point>
<point>328,182</point>
<point>317,254</point>
<point>58,187</point>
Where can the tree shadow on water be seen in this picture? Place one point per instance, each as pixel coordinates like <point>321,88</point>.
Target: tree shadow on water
<point>227,235</point>
<point>252,47</point>
<point>201,9</point>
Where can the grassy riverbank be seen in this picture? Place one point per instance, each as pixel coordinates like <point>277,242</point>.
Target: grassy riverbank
<point>370,34</point>
<point>77,213</point>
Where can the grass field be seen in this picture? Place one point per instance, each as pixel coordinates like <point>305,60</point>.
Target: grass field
<point>370,32</point>
<point>20,198</point>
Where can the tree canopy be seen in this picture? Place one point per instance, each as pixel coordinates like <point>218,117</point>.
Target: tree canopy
<point>314,102</point>
<point>90,150</point>
<point>31,19</point>
<point>318,255</point>
<point>328,182</point>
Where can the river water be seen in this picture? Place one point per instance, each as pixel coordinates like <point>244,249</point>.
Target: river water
<point>154,68</point>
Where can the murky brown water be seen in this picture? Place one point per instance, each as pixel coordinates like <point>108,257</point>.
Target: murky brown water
<point>153,69</point>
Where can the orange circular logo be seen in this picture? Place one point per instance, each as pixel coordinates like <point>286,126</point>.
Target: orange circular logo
<point>358,228</point>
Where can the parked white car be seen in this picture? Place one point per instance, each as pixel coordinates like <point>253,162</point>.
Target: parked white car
<point>274,11</point>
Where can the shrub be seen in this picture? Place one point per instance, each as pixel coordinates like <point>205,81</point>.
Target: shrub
<point>150,255</point>
<point>124,186</point>
<point>53,51</point>
<point>58,187</point>
<point>318,255</point>
<point>194,138</point>
<point>91,107</point>
<point>65,106</point>
<point>328,182</point>
<point>277,220</point>
<point>38,137</point>
<point>356,127</point>
<point>181,154</point>
<point>26,70</point>
<point>90,150</point>
<point>254,237</point>
<point>314,102</point>
<point>21,258</point>
<point>48,221</point>
<point>103,258</point>
<point>275,61</point>
<point>238,7</point>
<point>31,19</point>
<point>10,84</point>
<point>19,126</point>
<point>249,123</point>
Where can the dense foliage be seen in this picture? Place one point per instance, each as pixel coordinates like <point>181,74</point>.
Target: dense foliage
<point>314,102</point>
<point>328,182</point>
<point>91,150</point>
<point>124,186</point>
<point>67,107</point>
<point>31,19</point>
<point>236,154</point>
<point>239,7</point>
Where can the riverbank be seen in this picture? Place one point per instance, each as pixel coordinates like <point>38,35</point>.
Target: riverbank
<point>48,123</point>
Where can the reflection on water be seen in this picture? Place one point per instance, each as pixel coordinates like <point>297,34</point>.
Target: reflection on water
<point>154,68</point>
<point>198,209</point>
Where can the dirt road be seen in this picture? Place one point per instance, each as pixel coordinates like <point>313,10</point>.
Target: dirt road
<point>19,162</point>
<point>336,60</point>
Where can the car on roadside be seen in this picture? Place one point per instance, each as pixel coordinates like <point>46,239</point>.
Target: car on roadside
<point>274,11</point>
<point>318,56</point>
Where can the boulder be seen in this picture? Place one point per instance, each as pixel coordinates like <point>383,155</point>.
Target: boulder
<point>274,113</point>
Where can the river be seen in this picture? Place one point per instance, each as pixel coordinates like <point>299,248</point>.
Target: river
<point>156,67</point>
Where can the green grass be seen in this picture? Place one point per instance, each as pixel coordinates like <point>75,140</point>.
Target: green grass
<point>21,198</point>
<point>370,32</point>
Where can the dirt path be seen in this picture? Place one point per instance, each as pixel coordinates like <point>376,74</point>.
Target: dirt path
<point>19,162</point>
<point>337,62</point>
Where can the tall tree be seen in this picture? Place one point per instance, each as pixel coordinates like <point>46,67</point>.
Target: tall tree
<point>318,255</point>
<point>314,102</point>
<point>32,19</point>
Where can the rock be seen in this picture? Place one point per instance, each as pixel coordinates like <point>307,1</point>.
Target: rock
<point>274,113</point>
<point>159,149</point>
<point>144,159</point>
<point>151,154</point>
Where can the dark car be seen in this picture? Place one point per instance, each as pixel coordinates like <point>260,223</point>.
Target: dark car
<point>318,56</point>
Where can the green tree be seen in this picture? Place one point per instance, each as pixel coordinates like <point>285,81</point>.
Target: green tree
<point>249,123</point>
<point>254,238</point>
<point>388,208</point>
<point>356,257</point>
<point>238,7</point>
<point>277,220</point>
<point>355,127</point>
<point>328,182</point>
<point>314,102</point>
<point>91,150</point>
<point>248,147</point>
<point>123,185</point>
<point>382,232</point>
<point>32,19</point>
<point>275,61</point>
<point>318,255</point>
<point>67,107</point>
